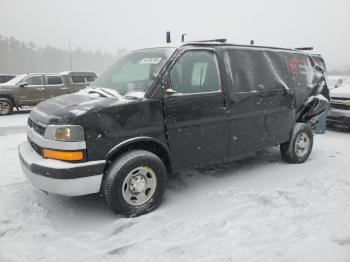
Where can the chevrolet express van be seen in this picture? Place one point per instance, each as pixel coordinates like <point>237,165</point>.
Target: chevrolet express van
<point>163,109</point>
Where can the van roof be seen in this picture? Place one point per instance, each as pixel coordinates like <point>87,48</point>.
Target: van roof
<point>224,44</point>
<point>220,43</point>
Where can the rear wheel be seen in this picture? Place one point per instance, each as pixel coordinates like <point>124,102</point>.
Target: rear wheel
<point>135,183</point>
<point>6,106</point>
<point>298,148</point>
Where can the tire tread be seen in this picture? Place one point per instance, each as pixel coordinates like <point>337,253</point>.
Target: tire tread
<point>113,172</point>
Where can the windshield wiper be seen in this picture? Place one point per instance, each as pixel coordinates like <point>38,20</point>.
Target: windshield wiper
<point>105,92</point>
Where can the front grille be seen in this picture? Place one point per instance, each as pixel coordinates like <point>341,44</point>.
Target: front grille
<point>340,106</point>
<point>36,148</point>
<point>37,128</point>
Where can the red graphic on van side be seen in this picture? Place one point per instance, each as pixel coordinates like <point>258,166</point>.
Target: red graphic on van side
<point>293,64</point>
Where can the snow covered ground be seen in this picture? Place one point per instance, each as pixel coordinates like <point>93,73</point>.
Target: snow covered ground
<point>333,79</point>
<point>257,209</point>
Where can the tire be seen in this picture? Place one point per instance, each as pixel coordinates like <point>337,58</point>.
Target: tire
<point>6,107</point>
<point>298,149</point>
<point>135,183</point>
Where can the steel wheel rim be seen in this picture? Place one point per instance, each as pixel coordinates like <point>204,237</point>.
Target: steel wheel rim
<point>4,108</point>
<point>302,145</point>
<point>139,186</point>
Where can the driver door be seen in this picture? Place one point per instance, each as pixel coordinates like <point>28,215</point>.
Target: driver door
<point>196,117</point>
<point>33,92</point>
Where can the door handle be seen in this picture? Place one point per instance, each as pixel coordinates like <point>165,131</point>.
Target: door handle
<point>40,88</point>
<point>64,88</point>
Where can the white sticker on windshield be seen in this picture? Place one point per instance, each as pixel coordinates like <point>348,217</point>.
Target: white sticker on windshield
<point>150,60</point>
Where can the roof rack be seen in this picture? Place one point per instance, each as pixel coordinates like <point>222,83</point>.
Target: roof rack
<point>221,40</point>
<point>304,48</point>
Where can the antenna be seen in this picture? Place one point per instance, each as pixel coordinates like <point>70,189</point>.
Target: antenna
<point>70,57</point>
<point>168,37</point>
<point>220,40</point>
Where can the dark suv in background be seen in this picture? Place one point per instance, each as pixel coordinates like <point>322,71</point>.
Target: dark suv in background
<point>31,89</point>
<point>164,109</point>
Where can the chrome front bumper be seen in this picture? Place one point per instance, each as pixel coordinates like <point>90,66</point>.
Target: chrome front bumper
<point>63,178</point>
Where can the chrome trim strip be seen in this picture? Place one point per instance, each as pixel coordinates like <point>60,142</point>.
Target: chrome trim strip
<point>66,187</point>
<point>30,157</point>
<point>53,144</point>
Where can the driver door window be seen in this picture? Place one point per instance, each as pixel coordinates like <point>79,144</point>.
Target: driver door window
<point>196,72</point>
<point>34,81</point>
<point>33,92</point>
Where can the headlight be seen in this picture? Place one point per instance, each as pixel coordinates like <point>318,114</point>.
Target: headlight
<point>346,103</point>
<point>68,133</point>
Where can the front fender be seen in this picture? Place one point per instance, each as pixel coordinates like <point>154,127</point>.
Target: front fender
<point>150,144</point>
<point>135,140</point>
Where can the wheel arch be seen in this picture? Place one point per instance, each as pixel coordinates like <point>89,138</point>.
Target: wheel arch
<point>142,143</point>
<point>11,98</point>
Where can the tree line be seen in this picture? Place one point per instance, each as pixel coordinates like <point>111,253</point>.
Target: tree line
<point>18,57</point>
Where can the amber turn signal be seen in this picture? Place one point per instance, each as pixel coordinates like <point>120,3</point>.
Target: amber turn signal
<point>63,155</point>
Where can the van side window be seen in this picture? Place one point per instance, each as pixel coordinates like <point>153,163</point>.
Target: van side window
<point>256,71</point>
<point>300,70</point>
<point>196,72</point>
<point>34,81</point>
<point>54,80</point>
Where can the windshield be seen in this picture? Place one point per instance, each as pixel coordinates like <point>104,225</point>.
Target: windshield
<point>135,71</point>
<point>16,80</point>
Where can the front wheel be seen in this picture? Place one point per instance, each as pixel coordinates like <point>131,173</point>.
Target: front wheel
<point>6,106</point>
<point>135,183</point>
<point>298,148</point>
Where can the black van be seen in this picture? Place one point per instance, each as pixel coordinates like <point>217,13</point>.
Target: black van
<point>163,109</point>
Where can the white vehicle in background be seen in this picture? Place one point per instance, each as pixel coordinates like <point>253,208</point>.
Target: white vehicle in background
<point>340,104</point>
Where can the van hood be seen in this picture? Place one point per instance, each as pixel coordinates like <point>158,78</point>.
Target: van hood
<point>62,109</point>
<point>341,92</point>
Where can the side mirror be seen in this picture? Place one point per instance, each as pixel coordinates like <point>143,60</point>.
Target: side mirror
<point>166,86</point>
<point>23,84</point>
<point>170,92</point>
<point>165,82</point>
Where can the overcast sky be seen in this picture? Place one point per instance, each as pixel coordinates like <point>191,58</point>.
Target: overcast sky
<point>111,24</point>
